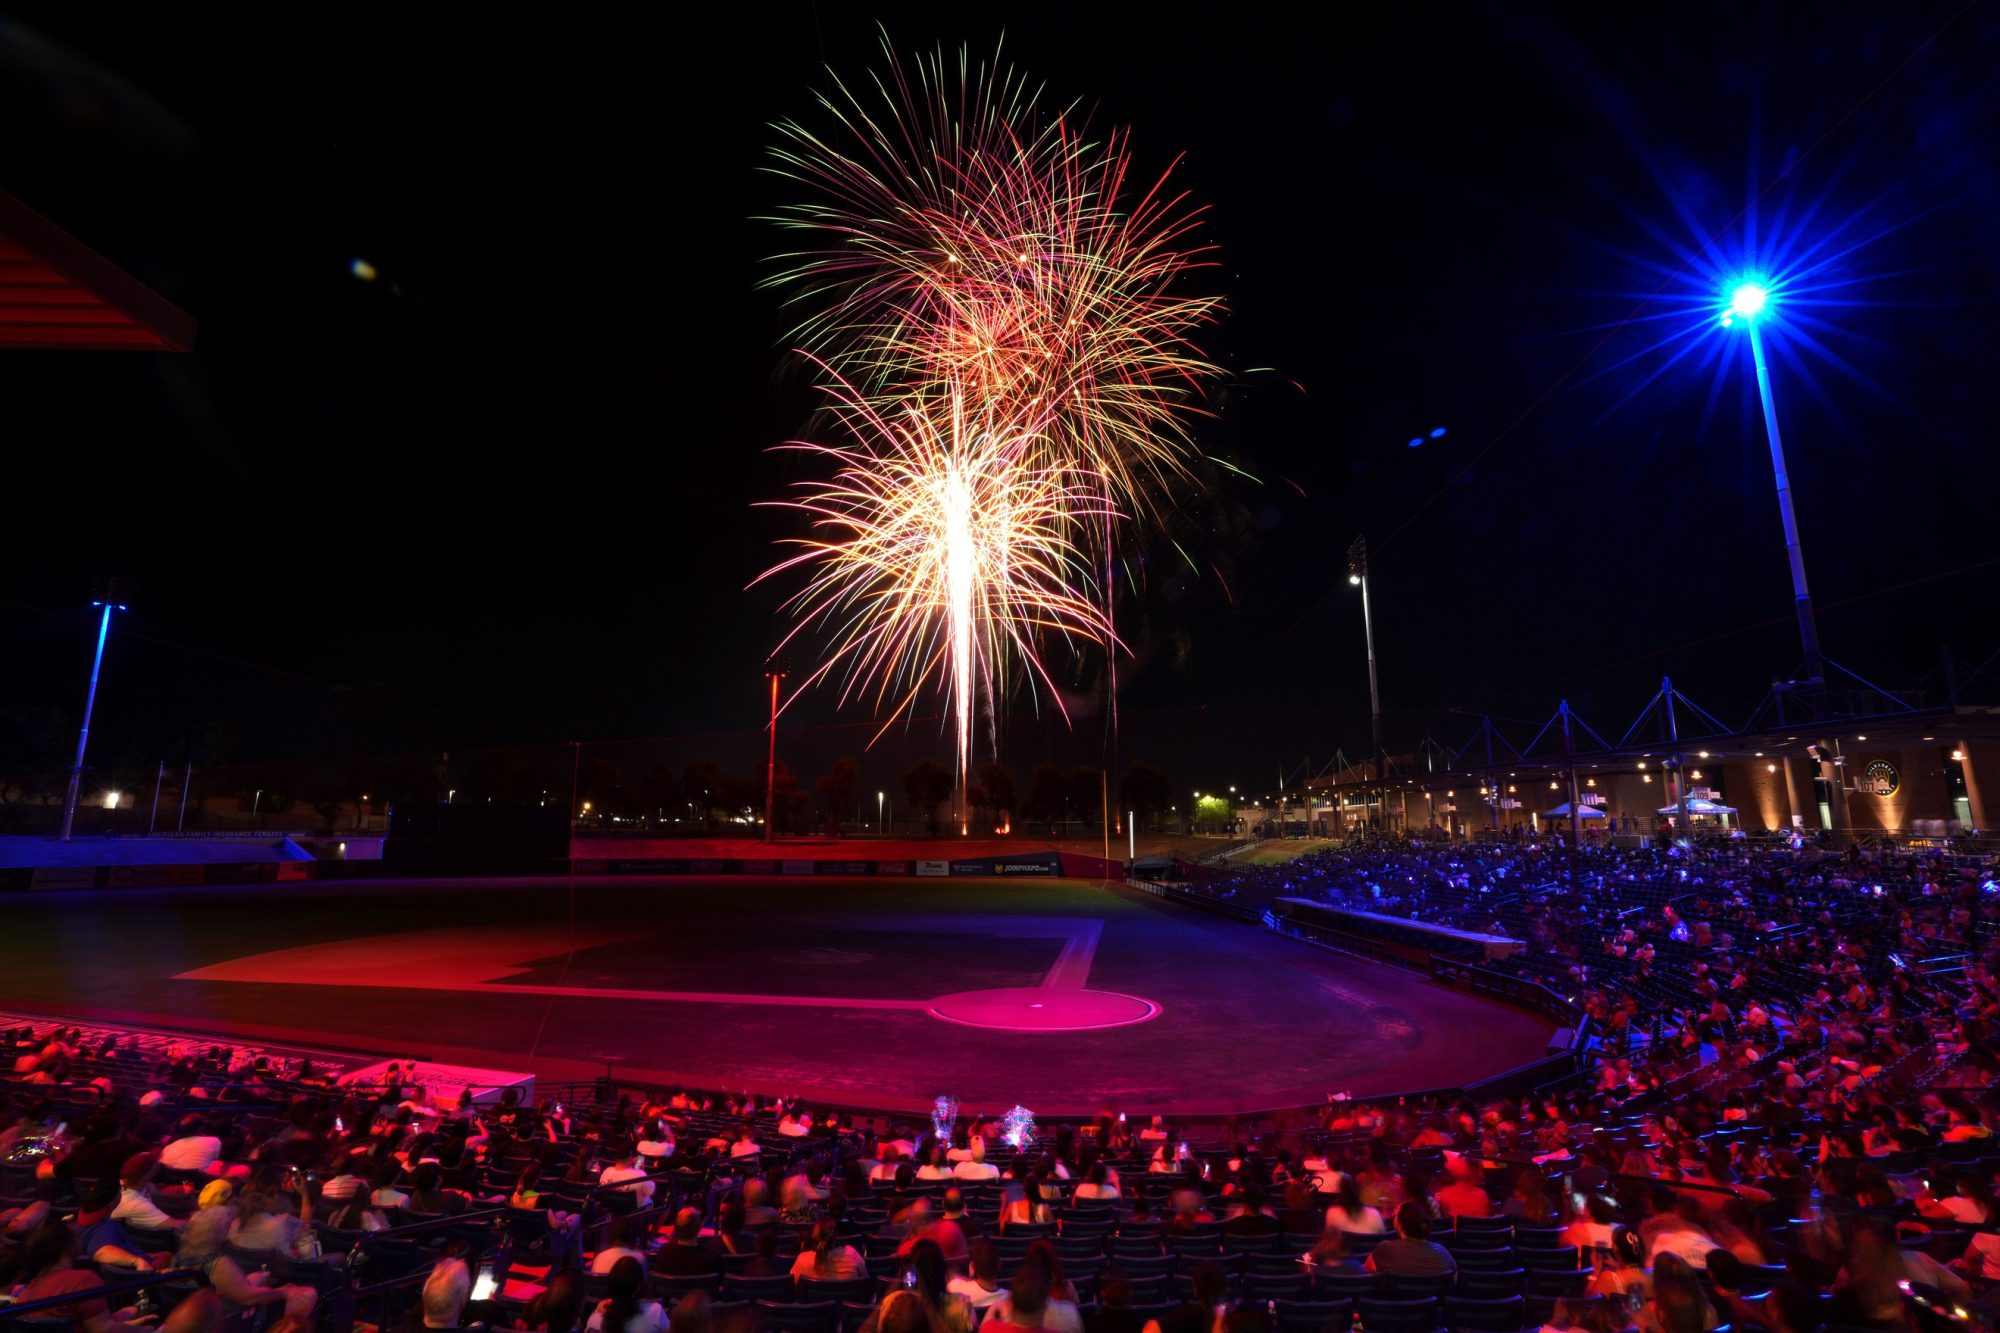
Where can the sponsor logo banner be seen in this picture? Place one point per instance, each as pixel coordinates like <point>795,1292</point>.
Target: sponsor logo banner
<point>1008,865</point>
<point>844,867</point>
<point>892,868</point>
<point>796,867</point>
<point>934,868</point>
<point>1017,867</point>
<point>63,877</point>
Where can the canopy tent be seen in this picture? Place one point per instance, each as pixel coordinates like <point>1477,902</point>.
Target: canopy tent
<point>1699,806</point>
<point>1582,812</point>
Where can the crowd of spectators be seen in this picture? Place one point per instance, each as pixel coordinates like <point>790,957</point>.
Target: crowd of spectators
<point>1785,1123</point>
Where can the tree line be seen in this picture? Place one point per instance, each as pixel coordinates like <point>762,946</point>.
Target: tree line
<point>36,745</point>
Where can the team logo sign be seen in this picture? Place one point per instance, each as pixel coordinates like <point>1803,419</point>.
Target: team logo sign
<point>1881,778</point>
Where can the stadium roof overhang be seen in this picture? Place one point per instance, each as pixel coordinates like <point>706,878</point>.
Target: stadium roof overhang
<point>56,292</point>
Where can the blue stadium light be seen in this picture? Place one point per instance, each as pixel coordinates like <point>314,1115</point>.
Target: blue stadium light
<point>1438,434</point>
<point>1747,300</point>
<point>1417,443</point>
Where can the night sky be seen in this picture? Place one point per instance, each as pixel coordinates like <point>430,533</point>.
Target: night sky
<point>503,493</point>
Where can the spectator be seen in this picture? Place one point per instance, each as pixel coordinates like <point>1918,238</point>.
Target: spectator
<point>625,1308</point>
<point>1025,1306</point>
<point>623,1242</point>
<point>1027,1209</point>
<point>941,1310</point>
<point>50,1254</point>
<point>204,1246</point>
<point>445,1293</point>
<point>1411,1253</point>
<point>686,1254</point>
<point>194,1150</point>
<point>1349,1214</point>
<point>981,1289</point>
<point>1114,1312</point>
<point>557,1306</point>
<point>1254,1218</point>
<point>975,1166</point>
<point>829,1259</point>
<point>691,1314</point>
<point>1464,1197</point>
<point>625,1168</point>
<point>1678,1303</point>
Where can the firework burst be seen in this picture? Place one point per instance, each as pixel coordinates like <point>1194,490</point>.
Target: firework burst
<point>959,234</point>
<point>940,550</point>
<point>1012,370</point>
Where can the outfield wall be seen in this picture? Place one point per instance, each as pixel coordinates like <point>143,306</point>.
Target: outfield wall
<point>1026,865</point>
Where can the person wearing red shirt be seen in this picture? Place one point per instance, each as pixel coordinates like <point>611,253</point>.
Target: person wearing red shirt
<point>1462,1198</point>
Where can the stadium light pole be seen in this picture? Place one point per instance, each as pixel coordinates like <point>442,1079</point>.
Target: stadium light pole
<point>1357,574</point>
<point>111,593</point>
<point>1749,304</point>
<point>776,674</point>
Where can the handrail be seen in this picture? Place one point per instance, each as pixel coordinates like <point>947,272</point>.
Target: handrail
<point>67,1298</point>
<point>356,1271</point>
<point>442,1222</point>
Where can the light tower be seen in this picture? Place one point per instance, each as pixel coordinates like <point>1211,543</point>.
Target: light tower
<point>1357,574</point>
<point>1749,304</point>
<point>110,595</point>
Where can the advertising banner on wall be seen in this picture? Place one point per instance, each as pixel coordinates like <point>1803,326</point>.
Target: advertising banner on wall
<point>1033,863</point>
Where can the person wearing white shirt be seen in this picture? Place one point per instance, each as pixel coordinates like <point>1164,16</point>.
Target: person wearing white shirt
<point>884,1171</point>
<point>982,1290</point>
<point>623,1243</point>
<point>1100,1183</point>
<point>660,1145</point>
<point>975,1166</point>
<point>627,1168</point>
<point>195,1150</point>
<point>136,1208</point>
<point>934,1167</point>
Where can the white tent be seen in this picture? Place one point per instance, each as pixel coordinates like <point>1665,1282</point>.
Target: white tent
<point>1699,806</point>
<point>1582,812</point>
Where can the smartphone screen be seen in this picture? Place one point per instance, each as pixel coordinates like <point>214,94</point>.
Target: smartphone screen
<point>482,1290</point>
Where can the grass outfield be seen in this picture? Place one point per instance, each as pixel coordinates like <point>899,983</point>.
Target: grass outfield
<point>819,986</point>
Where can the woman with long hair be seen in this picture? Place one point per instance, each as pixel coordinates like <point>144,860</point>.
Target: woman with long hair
<point>625,1308</point>
<point>829,1258</point>
<point>1041,1267</point>
<point>1530,1200</point>
<point>925,1277</point>
<point>1028,1209</point>
<point>1349,1214</point>
<point>1679,1304</point>
<point>556,1307</point>
<point>1621,1276</point>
